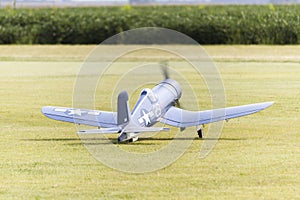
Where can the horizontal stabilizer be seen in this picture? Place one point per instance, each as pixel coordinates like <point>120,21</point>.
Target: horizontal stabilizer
<point>101,131</point>
<point>137,129</point>
<point>133,129</point>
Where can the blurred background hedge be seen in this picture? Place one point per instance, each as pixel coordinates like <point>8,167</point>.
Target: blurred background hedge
<point>205,24</point>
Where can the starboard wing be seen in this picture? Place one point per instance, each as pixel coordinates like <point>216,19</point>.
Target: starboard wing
<point>184,118</point>
<point>82,116</point>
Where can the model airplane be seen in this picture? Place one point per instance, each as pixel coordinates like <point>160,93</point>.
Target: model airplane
<point>154,105</point>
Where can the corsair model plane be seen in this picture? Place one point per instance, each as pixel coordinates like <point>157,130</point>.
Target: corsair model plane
<point>154,105</point>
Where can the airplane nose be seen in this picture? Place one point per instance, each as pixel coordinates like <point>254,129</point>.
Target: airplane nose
<point>175,86</point>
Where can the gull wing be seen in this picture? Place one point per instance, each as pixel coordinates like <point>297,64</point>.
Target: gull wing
<point>82,116</point>
<point>184,118</point>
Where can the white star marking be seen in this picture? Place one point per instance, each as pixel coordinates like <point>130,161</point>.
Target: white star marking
<point>60,110</point>
<point>146,118</point>
<point>74,112</point>
<point>94,113</point>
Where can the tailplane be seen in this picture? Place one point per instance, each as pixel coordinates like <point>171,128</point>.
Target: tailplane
<point>128,129</point>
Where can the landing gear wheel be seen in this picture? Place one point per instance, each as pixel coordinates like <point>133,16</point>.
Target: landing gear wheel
<point>200,133</point>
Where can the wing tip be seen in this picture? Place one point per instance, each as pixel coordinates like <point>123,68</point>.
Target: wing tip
<point>45,109</point>
<point>268,104</point>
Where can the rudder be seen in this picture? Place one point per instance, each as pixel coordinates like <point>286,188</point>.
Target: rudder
<point>123,109</point>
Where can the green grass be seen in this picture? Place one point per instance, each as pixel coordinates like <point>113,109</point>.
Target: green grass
<point>256,157</point>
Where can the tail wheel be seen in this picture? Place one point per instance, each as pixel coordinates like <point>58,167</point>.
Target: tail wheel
<point>134,139</point>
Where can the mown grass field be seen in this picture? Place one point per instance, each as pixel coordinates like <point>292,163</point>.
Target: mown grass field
<point>257,157</point>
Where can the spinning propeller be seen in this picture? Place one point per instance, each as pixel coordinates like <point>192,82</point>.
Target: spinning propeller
<point>165,71</point>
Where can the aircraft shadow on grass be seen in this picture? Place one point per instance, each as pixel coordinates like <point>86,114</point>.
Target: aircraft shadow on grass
<point>103,141</point>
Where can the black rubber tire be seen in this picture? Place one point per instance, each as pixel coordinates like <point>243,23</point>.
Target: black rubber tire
<point>200,133</point>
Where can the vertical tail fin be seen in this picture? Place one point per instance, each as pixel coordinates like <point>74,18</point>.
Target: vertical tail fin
<point>123,109</point>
